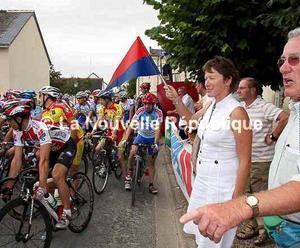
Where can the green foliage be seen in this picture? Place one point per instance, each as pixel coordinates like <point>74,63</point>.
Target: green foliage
<point>73,85</point>
<point>55,76</point>
<point>131,88</point>
<point>250,32</point>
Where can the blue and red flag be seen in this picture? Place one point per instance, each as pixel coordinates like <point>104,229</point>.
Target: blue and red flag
<point>137,62</point>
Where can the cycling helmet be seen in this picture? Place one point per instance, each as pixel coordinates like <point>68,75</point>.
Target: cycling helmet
<point>149,98</point>
<point>96,92</point>
<point>145,86</point>
<point>66,97</point>
<point>27,94</point>
<point>16,107</point>
<point>51,91</point>
<point>106,95</point>
<point>81,94</point>
<point>11,93</point>
<point>88,92</point>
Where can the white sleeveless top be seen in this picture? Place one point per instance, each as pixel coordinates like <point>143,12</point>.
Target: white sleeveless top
<point>217,139</point>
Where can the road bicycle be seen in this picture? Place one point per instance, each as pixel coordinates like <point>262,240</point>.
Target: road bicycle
<point>105,162</point>
<point>29,222</point>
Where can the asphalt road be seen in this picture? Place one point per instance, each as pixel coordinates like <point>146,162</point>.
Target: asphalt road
<point>115,223</point>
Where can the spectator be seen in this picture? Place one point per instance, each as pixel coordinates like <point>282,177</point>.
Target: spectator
<point>281,203</point>
<point>224,156</point>
<point>263,144</point>
<point>203,97</point>
<point>189,104</point>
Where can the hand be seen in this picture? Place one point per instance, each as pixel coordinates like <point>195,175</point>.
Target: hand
<point>155,148</point>
<point>171,93</point>
<point>268,140</point>
<point>114,137</point>
<point>123,143</point>
<point>214,220</point>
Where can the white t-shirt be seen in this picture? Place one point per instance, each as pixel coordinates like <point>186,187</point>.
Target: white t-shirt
<point>266,113</point>
<point>189,103</point>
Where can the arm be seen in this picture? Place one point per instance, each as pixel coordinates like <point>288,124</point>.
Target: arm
<point>44,164</point>
<point>2,121</point>
<point>157,134</point>
<point>243,138</point>
<point>181,109</point>
<point>281,120</point>
<point>131,112</point>
<point>282,200</point>
<point>16,162</point>
<point>128,133</point>
<point>9,136</point>
<point>170,112</point>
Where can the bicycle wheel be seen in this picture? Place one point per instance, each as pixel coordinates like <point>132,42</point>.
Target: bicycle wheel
<point>117,170</point>
<point>19,232</point>
<point>135,181</point>
<point>84,165</point>
<point>4,167</point>
<point>6,194</point>
<point>100,172</point>
<point>82,203</point>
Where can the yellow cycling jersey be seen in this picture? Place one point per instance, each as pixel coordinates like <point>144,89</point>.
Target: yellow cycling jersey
<point>112,113</point>
<point>58,114</point>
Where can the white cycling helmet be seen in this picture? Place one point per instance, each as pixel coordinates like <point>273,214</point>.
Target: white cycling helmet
<point>81,94</point>
<point>51,91</point>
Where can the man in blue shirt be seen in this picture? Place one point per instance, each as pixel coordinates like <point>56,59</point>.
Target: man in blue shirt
<point>146,122</point>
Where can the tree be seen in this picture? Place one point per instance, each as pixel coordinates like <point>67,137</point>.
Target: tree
<point>131,88</point>
<point>250,32</point>
<point>55,76</point>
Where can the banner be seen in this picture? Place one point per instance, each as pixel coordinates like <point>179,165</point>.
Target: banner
<point>181,161</point>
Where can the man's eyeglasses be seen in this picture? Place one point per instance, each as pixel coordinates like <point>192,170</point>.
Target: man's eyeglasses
<point>292,60</point>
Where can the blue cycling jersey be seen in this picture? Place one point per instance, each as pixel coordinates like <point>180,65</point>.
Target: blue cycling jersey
<point>147,121</point>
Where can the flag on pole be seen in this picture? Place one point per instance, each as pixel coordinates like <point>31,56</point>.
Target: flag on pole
<point>137,62</point>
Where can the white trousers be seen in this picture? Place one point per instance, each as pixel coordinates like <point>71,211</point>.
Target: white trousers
<point>214,183</point>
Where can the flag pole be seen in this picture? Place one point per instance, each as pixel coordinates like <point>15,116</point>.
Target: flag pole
<point>163,80</point>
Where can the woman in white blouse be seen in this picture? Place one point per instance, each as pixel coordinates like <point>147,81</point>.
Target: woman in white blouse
<point>224,155</point>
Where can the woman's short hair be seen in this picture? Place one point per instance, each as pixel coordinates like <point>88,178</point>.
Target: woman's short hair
<point>225,67</point>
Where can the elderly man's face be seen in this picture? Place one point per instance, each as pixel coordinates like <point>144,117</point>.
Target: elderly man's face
<point>291,72</point>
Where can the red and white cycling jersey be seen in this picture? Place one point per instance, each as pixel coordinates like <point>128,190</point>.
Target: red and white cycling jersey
<point>38,133</point>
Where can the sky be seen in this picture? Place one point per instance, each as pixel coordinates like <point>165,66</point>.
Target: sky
<point>84,36</point>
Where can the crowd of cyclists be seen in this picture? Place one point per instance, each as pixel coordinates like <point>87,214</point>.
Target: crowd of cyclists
<point>57,124</point>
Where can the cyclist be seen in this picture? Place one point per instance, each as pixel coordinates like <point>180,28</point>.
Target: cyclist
<point>84,110</point>
<point>109,116</point>
<point>36,110</point>
<point>57,150</point>
<point>96,96</point>
<point>128,106</point>
<point>145,88</point>
<point>149,119</point>
<point>59,114</point>
<point>66,98</point>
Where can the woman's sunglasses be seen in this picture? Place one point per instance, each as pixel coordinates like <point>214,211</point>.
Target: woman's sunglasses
<point>292,60</point>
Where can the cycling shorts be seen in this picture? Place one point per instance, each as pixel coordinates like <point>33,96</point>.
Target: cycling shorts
<point>139,139</point>
<point>65,156</point>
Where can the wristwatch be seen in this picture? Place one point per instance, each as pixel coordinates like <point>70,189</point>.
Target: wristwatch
<point>252,202</point>
<point>272,137</point>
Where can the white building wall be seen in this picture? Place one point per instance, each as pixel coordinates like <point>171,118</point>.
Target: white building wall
<point>28,62</point>
<point>4,70</point>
